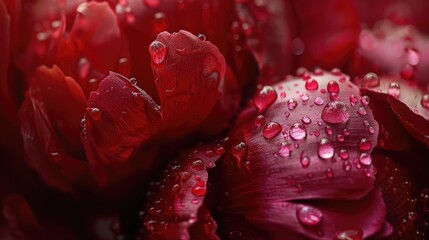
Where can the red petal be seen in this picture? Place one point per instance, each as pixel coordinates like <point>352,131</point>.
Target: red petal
<point>408,102</point>
<point>174,207</point>
<point>51,138</point>
<point>120,117</point>
<point>187,94</point>
<point>268,36</point>
<point>366,215</point>
<point>95,46</point>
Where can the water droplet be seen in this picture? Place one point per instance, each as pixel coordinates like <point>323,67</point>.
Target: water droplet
<point>407,72</point>
<point>151,3</point>
<point>350,234</point>
<point>335,112</point>
<point>365,123</point>
<point>333,87</point>
<point>239,151</point>
<point>202,37</point>
<point>353,100</point>
<point>365,100</point>
<point>285,150</point>
<point>311,84</point>
<point>83,67</point>
<point>344,154</point>
<point>364,144</point>
<point>394,89</point>
<point>219,150</point>
<point>133,81</point>
<point>336,72</point>
<point>413,57</point>
<point>371,130</point>
<point>361,111</point>
<point>298,131</point>
<point>325,150</point>
<point>340,137</point>
<point>291,104</point>
<point>365,159</point>
<point>328,130</point>
<point>346,132</point>
<point>260,120</point>
<point>176,188</point>
<point>199,191</point>
<point>305,160</point>
<point>306,120</point>
<point>271,130</point>
<point>157,51</point>
<point>347,166</point>
<point>329,173</point>
<point>318,101</point>
<point>55,156</point>
<point>265,97</point>
<point>197,164</point>
<point>94,113</point>
<point>370,80</point>
<point>425,101</point>
<point>308,215</point>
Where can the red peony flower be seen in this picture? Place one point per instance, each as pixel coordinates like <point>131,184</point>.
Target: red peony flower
<point>153,119</point>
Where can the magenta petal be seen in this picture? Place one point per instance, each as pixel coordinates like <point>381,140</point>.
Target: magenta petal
<point>174,207</point>
<point>307,145</point>
<point>365,215</point>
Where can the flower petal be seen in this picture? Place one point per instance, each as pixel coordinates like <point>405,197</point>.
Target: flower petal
<point>175,205</point>
<point>408,102</point>
<point>51,138</point>
<point>304,145</point>
<point>364,216</point>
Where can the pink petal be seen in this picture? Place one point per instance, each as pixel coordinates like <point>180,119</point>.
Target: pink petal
<point>174,207</point>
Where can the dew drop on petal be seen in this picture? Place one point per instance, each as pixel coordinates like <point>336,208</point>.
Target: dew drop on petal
<point>291,104</point>
<point>305,161</point>
<point>336,112</point>
<point>365,100</point>
<point>306,120</point>
<point>370,80</point>
<point>271,130</point>
<point>285,150</point>
<point>328,130</point>
<point>55,156</point>
<point>425,101</point>
<point>308,215</point>
<point>311,84</point>
<point>340,137</point>
<point>157,51</point>
<point>361,111</point>
<point>197,164</point>
<point>259,120</point>
<point>333,87</point>
<point>413,57</point>
<point>325,149</point>
<point>329,173</point>
<point>239,151</point>
<point>265,97</point>
<point>353,100</point>
<point>297,131</point>
<point>151,3</point>
<point>365,159</point>
<point>305,97</point>
<point>350,234</point>
<point>202,37</point>
<point>94,113</point>
<point>318,101</point>
<point>394,89</point>
<point>347,166</point>
<point>199,191</point>
<point>364,144</point>
<point>344,154</point>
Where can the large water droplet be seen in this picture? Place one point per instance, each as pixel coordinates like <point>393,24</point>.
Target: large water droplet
<point>365,159</point>
<point>425,101</point>
<point>311,84</point>
<point>285,150</point>
<point>291,104</point>
<point>271,130</point>
<point>350,234</point>
<point>265,97</point>
<point>336,112</point>
<point>364,144</point>
<point>199,191</point>
<point>333,87</point>
<point>94,113</point>
<point>370,80</point>
<point>157,51</point>
<point>394,89</point>
<point>344,154</point>
<point>298,131</point>
<point>325,150</point>
<point>308,215</point>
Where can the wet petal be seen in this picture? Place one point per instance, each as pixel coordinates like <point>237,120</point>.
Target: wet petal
<point>364,216</point>
<point>51,138</point>
<point>409,103</point>
<point>324,141</point>
<point>175,205</point>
